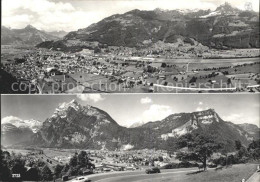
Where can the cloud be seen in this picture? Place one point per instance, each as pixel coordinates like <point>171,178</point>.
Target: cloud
<point>18,122</point>
<point>241,118</point>
<point>10,119</point>
<point>156,112</point>
<point>146,100</point>
<point>90,97</point>
<point>232,117</point>
<point>46,15</point>
<point>201,107</point>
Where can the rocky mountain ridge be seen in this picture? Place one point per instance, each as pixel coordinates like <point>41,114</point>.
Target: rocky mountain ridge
<point>226,27</point>
<point>75,126</point>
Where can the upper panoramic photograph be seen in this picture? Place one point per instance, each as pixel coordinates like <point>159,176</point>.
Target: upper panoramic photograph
<point>130,46</point>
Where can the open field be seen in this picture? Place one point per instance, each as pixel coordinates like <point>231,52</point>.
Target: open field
<point>9,52</point>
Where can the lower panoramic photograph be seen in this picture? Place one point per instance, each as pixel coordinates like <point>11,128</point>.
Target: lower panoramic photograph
<point>130,137</point>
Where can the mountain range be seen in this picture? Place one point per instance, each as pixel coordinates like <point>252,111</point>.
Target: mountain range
<point>226,27</point>
<point>75,126</point>
<point>27,36</point>
<point>18,131</point>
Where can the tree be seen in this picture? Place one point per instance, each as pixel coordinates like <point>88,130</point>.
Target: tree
<point>170,145</point>
<point>5,174</point>
<point>17,165</point>
<point>242,152</point>
<point>254,149</point>
<point>238,145</point>
<point>57,170</point>
<point>65,169</point>
<point>33,174</point>
<point>46,173</point>
<point>254,144</point>
<point>163,65</point>
<point>97,50</point>
<point>193,79</point>
<point>229,81</point>
<point>73,161</point>
<point>160,158</point>
<point>40,163</point>
<point>200,147</point>
<point>83,160</point>
<point>78,162</point>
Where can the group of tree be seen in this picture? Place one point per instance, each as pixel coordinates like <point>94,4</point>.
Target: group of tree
<point>200,146</point>
<point>242,154</point>
<point>19,60</point>
<point>31,170</point>
<point>150,69</point>
<point>212,69</point>
<point>193,80</point>
<point>77,165</point>
<point>27,170</point>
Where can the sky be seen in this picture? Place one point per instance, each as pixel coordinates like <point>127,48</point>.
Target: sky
<point>127,109</point>
<point>71,15</point>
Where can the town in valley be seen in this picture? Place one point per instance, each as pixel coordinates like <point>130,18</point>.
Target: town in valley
<point>159,51</point>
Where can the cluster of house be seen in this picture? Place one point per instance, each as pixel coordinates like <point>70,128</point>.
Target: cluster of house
<point>129,72</point>
<point>45,64</point>
<point>106,161</point>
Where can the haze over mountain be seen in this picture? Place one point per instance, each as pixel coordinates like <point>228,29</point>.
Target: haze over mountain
<point>59,34</point>
<point>226,27</point>
<point>251,129</point>
<point>18,131</point>
<point>75,126</point>
<point>26,36</point>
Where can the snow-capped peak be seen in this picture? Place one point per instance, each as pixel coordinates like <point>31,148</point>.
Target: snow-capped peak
<point>186,11</point>
<point>63,107</point>
<point>33,124</point>
<point>74,104</point>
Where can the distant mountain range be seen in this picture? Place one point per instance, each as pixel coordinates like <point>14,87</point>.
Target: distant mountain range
<point>19,131</point>
<point>12,135</point>
<point>226,27</point>
<point>75,126</point>
<point>27,36</point>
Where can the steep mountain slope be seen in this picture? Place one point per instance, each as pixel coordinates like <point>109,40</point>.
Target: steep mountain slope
<point>226,27</point>
<point>73,125</point>
<point>179,124</point>
<point>28,36</point>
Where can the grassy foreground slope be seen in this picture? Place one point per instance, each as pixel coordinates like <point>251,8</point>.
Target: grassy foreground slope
<point>234,174</point>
